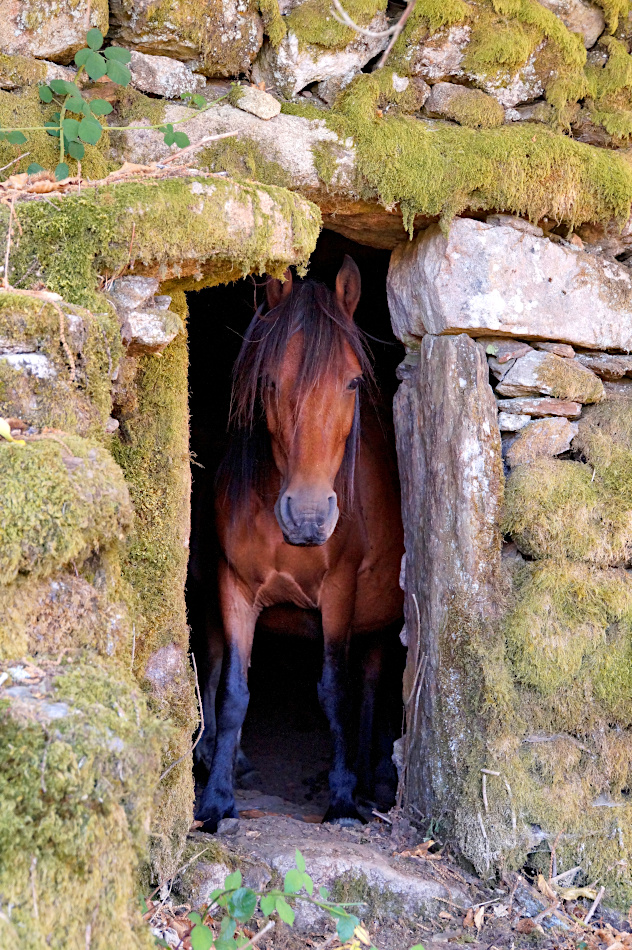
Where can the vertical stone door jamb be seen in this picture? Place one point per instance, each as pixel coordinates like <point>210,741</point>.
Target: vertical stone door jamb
<point>449,453</point>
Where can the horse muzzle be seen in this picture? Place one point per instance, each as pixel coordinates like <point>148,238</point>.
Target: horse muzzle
<point>306,523</point>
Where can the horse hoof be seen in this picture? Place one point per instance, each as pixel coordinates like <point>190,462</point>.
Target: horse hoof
<point>211,818</point>
<point>344,815</point>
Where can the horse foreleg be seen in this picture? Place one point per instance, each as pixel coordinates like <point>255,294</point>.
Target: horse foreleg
<point>334,697</point>
<point>371,670</point>
<point>240,617</point>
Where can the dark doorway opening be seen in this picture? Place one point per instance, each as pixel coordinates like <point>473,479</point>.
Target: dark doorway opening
<point>285,736</point>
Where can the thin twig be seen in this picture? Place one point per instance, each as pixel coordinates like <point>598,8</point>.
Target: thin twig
<point>485,802</point>
<point>560,877</point>
<point>378,814</point>
<point>34,888</point>
<point>5,276</point>
<point>131,666</point>
<point>595,905</point>
<point>175,873</point>
<point>344,18</point>
<point>257,937</point>
<point>401,23</point>
<point>9,164</point>
<point>191,148</point>
<point>200,733</point>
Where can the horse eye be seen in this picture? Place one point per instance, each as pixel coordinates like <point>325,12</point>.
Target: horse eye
<point>355,383</point>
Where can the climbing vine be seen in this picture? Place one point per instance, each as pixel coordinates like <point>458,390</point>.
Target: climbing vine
<point>79,120</point>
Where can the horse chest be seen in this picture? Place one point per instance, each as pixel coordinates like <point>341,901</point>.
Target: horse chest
<point>279,587</point>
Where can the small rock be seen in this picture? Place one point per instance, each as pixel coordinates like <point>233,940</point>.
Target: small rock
<point>540,372</point>
<point>130,293</point>
<point>149,331</point>
<point>541,406</point>
<point>441,54</point>
<point>502,349</point>
<point>540,111</point>
<point>111,425</point>
<point>469,107</point>
<point>511,221</point>
<point>228,826</point>
<point>498,369</point>
<point>560,349</point>
<point>620,389</point>
<point>512,421</point>
<point>605,365</point>
<point>163,76</point>
<point>546,437</point>
<point>34,363</point>
<point>257,102</point>
<point>576,241</point>
<point>579,17</point>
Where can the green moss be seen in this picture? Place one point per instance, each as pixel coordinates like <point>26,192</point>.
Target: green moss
<point>497,44</point>
<point>23,109</point>
<point>273,23</point>
<point>440,170</point>
<point>78,764</point>
<point>132,106</point>
<point>375,901</point>
<point>177,224</point>
<point>614,11</point>
<point>81,347</point>
<point>605,441</point>
<point>325,160</point>
<point>313,23</point>
<point>62,499</point>
<point>61,615</point>
<point>153,451</point>
<point>474,109</point>
<point>21,71</point>
<point>304,109</point>
<point>242,158</point>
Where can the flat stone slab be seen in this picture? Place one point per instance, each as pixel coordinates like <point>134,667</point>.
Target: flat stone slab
<point>560,349</point>
<point>546,437</point>
<point>606,365</point>
<point>257,102</point>
<point>539,372</point>
<point>512,421</point>
<point>497,279</point>
<point>541,406</point>
<point>504,350</point>
<point>264,846</point>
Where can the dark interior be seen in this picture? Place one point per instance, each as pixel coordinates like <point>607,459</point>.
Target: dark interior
<point>285,736</point>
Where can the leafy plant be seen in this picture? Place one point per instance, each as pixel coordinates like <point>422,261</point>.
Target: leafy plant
<point>78,121</point>
<point>238,904</point>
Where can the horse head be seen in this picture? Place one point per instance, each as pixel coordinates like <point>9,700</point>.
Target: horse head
<point>311,402</point>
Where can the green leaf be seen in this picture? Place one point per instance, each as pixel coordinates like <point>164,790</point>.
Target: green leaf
<point>233,881</point>
<point>82,55</point>
<point>45,93</point>
<point>284,911</point>
<point>420,946</point>
<point>201,937</point>
<point>308,884</point>
<point>293,881</point>
<point>118,53</point>
<point>195,918</point>
<point>226,943</point>
<point>96,66</point>
<point>345,927</point>
<point>267,904</point>
<point>170,138</point>
<point>214,895</point>
<point>63,88</point>
<point>90,131</point>
<point>2,136</point>
<point>227,928</point>
<point>76,150</point>
<point>16,138</point>
<point>62,171</point>
<point>161,943</point>
<point>33,169</point>
<point>71,129</point>
<point>300,860</point>
<point>324,893</point>
<point>181,139</point>
<point>94,38</point>
<point>52,128</point>
<point>75,104</point>
<point>118,73</point>
<point>242,904</point>
<point>198,100</point>
<point>100,107</point>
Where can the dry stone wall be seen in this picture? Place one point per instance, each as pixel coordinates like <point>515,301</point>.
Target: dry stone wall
<point>519,697</point>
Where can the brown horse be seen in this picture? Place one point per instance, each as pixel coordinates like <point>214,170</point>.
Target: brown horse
<point>307,513</point>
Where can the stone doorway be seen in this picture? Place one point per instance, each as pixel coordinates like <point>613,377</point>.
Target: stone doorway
<point>285,736</point>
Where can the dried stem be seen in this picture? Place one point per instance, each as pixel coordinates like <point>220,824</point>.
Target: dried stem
<point>401,23</point>
<point>200,733</point>
<point>595,905</point>
<point>5,276</point>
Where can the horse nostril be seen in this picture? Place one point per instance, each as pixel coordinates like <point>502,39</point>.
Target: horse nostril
<point>286,510</point>
<point>332,505</point>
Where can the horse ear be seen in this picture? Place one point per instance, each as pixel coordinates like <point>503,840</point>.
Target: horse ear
<point>348,286</point>
<point>277,291</point>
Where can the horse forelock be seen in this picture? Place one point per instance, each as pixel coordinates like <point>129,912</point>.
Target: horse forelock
<point>312,308</point>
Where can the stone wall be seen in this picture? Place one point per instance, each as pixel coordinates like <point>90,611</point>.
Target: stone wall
<point>96,692</point>
<point>518,688</point>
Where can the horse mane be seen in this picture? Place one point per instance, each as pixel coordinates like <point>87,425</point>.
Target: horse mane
<point>311,307</point>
